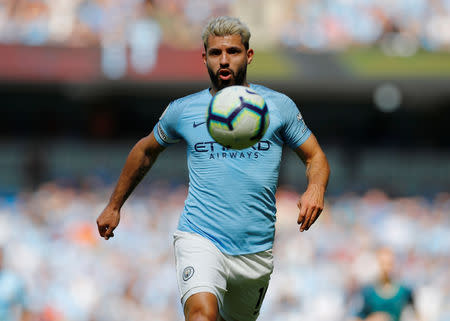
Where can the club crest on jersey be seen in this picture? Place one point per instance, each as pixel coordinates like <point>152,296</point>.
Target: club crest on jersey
<point>188,272</point>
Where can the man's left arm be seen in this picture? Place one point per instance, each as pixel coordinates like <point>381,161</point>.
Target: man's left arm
<point>317,172</point>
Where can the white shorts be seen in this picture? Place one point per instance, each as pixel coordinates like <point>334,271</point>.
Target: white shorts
<point>239,282</point>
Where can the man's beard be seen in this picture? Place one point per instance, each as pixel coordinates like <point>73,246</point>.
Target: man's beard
<point>237,78</point>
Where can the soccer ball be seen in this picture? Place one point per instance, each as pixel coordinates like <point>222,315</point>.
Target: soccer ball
<point>237,117</point>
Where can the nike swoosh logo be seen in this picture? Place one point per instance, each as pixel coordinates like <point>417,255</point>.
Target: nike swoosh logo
<point>198,124</point>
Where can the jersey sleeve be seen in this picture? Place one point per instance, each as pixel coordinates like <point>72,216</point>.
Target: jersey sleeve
<point>294,130</point>
<point>165,130</point>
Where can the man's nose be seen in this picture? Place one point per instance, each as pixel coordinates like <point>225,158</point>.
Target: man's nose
<point>224,61</point>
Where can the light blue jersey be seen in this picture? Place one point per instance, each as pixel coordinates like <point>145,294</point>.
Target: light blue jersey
<point>231,198</point>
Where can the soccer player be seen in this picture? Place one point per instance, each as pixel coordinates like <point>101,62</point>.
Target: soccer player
<point>385,300</point>
<point>223,244</point>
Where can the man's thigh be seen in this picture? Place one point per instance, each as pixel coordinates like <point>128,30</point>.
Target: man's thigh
<point>199,266</point>
<point>247,286</point>
<point>202,304</point>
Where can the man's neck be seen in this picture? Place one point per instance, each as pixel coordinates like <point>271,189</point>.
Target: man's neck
<point>213,90</point>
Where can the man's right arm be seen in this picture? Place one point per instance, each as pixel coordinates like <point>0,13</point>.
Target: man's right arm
<point>140,159</point>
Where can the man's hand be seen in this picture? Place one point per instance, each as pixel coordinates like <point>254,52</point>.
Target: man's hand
<point>310,205</point>
<point>107,222</point>
<point>317,172</point>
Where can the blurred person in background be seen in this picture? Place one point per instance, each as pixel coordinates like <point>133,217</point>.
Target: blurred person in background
<point>386,299</point>
<point>12,294</point>
<point>223,245</point>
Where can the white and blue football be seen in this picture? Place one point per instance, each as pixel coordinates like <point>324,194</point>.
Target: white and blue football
<point>237,117</point>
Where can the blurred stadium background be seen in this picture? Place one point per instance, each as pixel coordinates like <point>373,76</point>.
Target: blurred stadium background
<point>83,80</point>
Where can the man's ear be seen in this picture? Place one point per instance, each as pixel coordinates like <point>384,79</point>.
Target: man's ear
<point>250,54</point>
<point>204,57</point>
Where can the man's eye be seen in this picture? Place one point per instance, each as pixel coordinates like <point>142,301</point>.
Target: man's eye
<point>214,53</point>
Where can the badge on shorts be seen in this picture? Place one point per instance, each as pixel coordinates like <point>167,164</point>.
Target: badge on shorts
<point>188,272</point>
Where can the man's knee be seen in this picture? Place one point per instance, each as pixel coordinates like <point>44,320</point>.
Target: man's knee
<point>202,307</point>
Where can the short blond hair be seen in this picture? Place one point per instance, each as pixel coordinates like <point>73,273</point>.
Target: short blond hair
<point>226,26</point>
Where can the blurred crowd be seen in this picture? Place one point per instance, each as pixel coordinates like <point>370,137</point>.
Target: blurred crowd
<point>68,273</point>
<point>81,23</point>
<point>400,27</point>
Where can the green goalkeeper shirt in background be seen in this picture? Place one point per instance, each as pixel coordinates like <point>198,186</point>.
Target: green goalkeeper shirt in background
<point>391,302</point>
